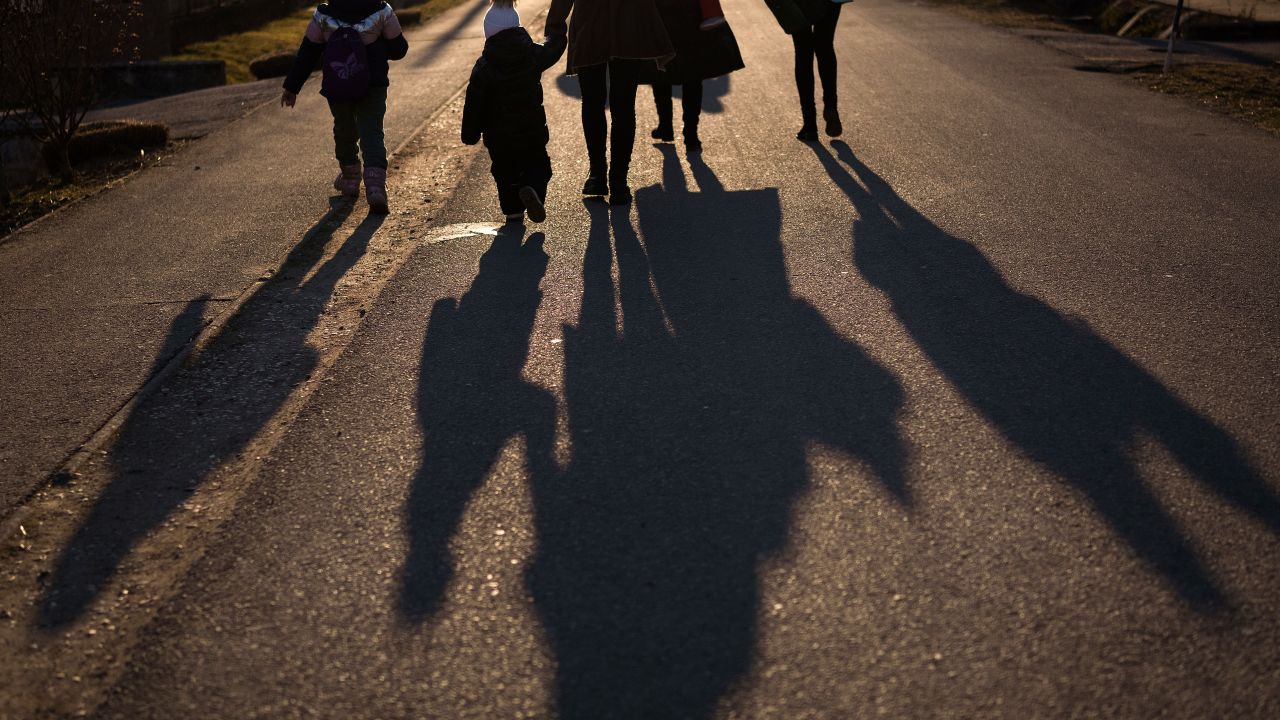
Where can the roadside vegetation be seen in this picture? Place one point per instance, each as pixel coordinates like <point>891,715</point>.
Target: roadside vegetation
<point>103,154</point>
<point>1249,92</point>
<point>282,36</point>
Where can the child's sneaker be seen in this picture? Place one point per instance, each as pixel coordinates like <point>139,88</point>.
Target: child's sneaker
<point>348,182</point>
<point>375,190</point>
<point>533,204</point>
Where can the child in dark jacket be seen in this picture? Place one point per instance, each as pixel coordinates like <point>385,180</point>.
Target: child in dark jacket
<point>354,119</point>
<point>504,106</point>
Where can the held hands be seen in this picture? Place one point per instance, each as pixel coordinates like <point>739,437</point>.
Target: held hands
<point>288,99</point>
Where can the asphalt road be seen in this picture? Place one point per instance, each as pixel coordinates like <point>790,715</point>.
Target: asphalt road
<point>971,413</point>
<point>89,297</point>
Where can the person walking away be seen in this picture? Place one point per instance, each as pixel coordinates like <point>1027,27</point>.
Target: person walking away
<point>812,26</point>
<point>817,41</point>
<point>353,40</point>
<point>608,43</point>
<point>504,106</point>
<point>682,19</point>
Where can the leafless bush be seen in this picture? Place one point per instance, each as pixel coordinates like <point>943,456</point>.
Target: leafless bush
<point>49,52</point>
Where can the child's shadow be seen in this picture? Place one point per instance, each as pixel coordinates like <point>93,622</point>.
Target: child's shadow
<point>471,401</point>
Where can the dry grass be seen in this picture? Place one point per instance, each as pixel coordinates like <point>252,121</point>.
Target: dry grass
<point>1247,92</point>
<point>278,36</point>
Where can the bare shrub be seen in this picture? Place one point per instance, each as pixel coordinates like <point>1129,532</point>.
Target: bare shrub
<point>49,53</point>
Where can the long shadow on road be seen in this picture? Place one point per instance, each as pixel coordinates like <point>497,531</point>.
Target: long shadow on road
<point>1054,388</point>
<point>691,412</point>
<point>471,401</point>
<point>205,414</point>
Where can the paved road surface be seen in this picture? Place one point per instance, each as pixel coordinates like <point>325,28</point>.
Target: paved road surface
<point>89,296</point>
<point>972,413</point>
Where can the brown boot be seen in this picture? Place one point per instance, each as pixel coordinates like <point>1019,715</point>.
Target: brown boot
<point>348,182</point>
<point>375,189</point>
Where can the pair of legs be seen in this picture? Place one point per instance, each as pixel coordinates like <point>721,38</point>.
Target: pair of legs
<point>691,104</point>
<point>611,84</point>
<point>818,41</point>
<point>522,175</point>
<point>357,131</point>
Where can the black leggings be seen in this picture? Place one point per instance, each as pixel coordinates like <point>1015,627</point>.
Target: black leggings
<point>613,84</point>
<point>690,103</point>
<point>818,41</point>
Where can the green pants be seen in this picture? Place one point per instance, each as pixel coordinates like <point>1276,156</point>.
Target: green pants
<point>360,121</point>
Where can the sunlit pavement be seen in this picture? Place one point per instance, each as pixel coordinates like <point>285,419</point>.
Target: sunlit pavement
<point>968,413</point>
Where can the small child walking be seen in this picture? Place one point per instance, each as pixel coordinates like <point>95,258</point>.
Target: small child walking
<point>352,40</point>
<point>504,106</point>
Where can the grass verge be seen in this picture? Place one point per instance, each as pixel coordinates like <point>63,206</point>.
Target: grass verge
<point>278,36</point>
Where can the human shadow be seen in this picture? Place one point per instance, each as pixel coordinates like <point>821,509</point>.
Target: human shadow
<point>472,400</point>
<point>206,413</point>
<point>1051,385</point>
<point>692,401</point>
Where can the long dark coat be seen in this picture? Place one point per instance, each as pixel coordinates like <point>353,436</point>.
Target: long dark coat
<point>681,18</point>
<point>603,30</point>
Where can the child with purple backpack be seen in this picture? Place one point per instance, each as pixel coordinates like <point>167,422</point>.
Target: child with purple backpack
<point>352,40</point>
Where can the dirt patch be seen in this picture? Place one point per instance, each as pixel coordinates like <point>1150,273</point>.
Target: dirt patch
<point>1247,92</point>
<point>1009,14</point>
<point>1244,91</point>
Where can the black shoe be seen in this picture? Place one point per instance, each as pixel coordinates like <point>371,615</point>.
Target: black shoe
<point>808,134</point>
<point>692,145</point>
<point>665,133</point>
<point>832,116</point>
<point>621,195</point>
<point>595,186</point>
<point>533,204</point>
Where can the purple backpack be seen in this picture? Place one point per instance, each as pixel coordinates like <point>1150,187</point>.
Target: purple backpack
<point>346,67</point>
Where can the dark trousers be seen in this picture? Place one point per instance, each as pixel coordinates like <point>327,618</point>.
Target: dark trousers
<point>612,84</point>
<point>817,41</point>
<point>514,168</point>
<point>361,121</point>
<point>690,104</point>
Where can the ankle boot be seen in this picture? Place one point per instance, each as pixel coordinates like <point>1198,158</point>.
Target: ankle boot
<point>348,181</point>
<point>375,190</point>
<point>832,117</point>
<point>596,185</point>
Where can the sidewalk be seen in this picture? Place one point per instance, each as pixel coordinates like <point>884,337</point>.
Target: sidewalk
<point>96,298</point>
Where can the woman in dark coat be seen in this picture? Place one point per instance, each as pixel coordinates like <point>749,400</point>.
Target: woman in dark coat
<point>682,18</point>
<point>609,40</point>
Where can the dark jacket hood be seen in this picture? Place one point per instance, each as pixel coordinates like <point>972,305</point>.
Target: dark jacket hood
<point>351,11</point>
<point>509,47</point>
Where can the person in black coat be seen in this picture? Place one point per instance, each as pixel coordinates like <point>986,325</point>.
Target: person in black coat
<point>681,18</point>
<point>504,106</point>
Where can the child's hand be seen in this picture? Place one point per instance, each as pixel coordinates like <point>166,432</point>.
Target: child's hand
<point>287,99</point>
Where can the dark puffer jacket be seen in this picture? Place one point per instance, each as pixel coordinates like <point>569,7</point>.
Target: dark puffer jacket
<point>504,99</point>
